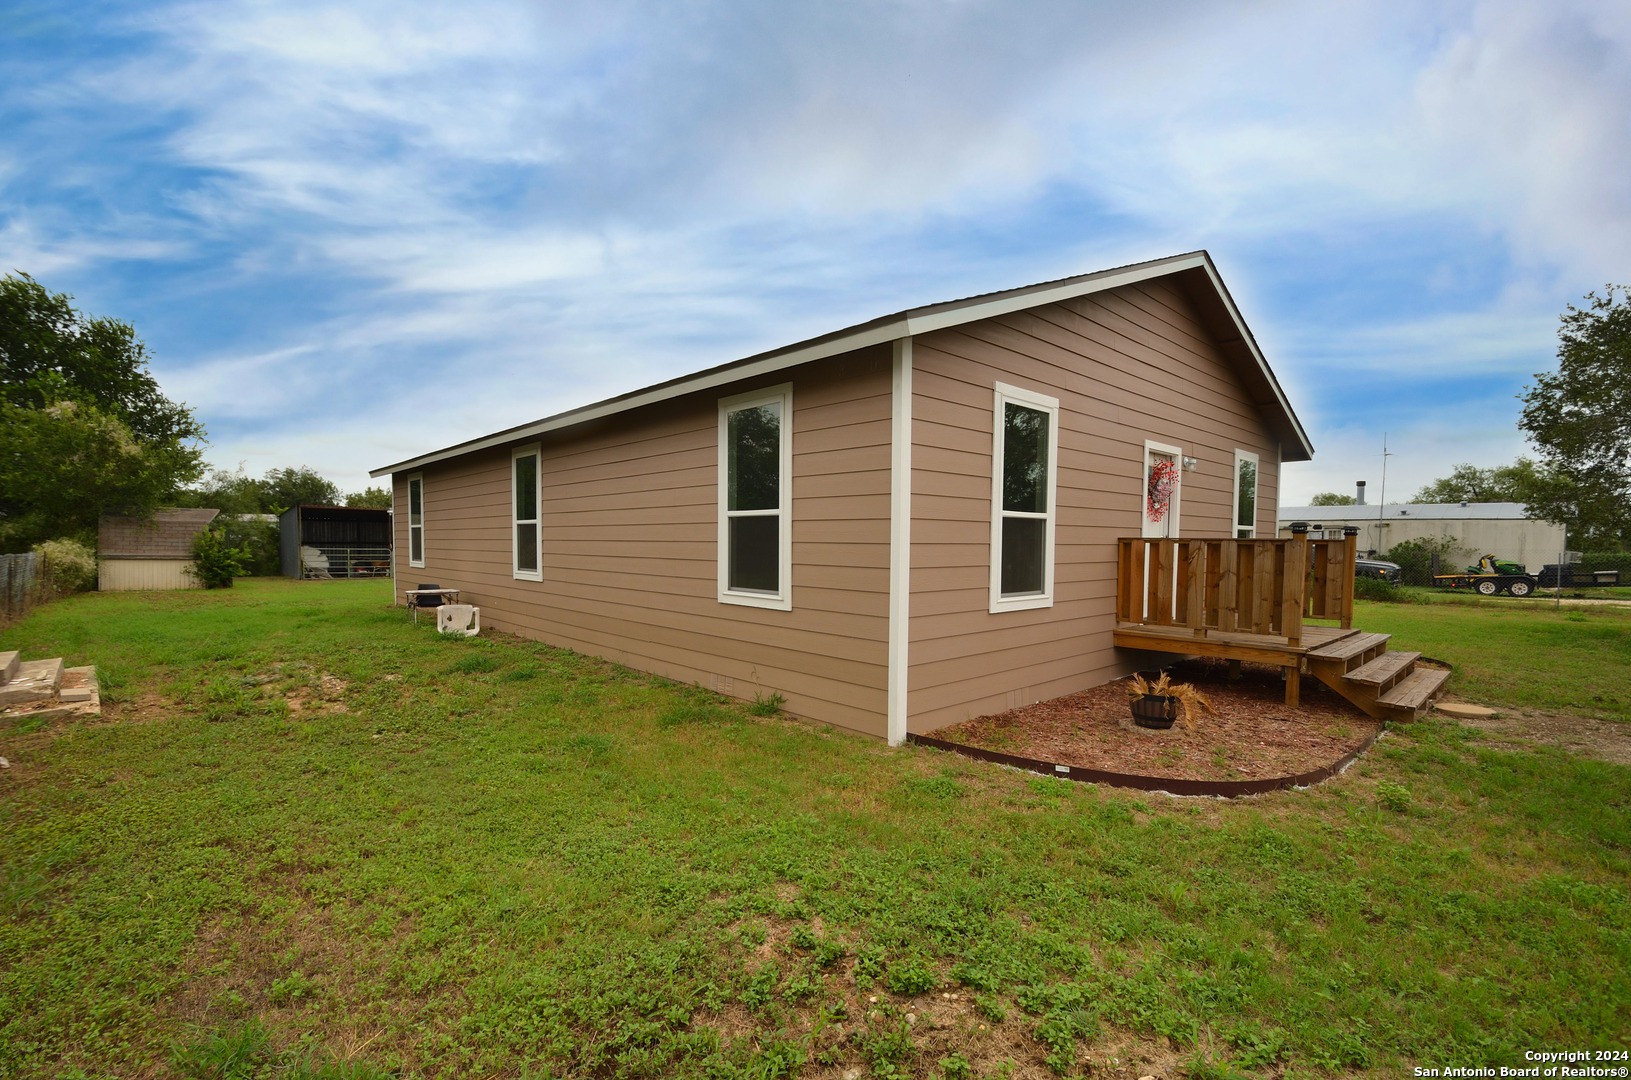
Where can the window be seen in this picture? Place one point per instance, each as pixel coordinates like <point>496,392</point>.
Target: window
<point>1023,486</point>
<point>416,520</point>
<point>525,536</point>
<point>1245,501</point>
<point>755,499</point>
<point>1163,474</point>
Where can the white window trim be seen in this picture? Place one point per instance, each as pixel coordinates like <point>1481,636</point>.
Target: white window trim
<point>1005,393</point>
<point>420,477</point>
<point>782,600</point>
<point>1152,447</point>
<point>1234,502</point>
<point>534,450</point>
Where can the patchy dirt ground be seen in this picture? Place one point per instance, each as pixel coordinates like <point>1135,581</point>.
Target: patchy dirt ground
<point>1252,736</point>
<point>1606,740</point>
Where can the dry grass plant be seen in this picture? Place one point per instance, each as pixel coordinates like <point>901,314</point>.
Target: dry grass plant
<point>1193,701</point>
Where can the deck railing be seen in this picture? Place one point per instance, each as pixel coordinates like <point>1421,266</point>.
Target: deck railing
<point>1239,586</point>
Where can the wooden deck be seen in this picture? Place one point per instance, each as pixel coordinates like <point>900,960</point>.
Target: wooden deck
<point>1245,599</point>
<point>1260,648</point>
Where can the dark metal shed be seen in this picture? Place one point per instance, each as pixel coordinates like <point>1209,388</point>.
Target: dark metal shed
<point>335,542</point>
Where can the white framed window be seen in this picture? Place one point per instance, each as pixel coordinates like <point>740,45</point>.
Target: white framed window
<point>1245,497</point>
<point>1163,485</point>
<point>526,494</point>
<point>756,498</point>
<point>416,519</point>
<point>1024,486</point>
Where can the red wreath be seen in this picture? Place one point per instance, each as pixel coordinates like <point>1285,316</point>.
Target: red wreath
<point>1163,482</point>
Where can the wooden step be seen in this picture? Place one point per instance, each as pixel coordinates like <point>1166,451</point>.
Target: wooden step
<point>1385,669</point>
<point>1349,647</point>
<point>8,666</point>
<point>1415,691</point>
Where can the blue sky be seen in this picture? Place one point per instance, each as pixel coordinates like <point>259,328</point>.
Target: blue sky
<point>352,232</point>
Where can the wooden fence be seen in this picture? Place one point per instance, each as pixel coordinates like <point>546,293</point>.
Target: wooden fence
<point>1235,586</point>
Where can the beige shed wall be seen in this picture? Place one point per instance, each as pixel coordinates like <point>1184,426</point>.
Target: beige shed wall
<point>136,575</point>
<point>630,536</point>
<point>1127,365</point>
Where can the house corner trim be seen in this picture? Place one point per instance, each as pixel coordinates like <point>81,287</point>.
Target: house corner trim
<point>900,538</point>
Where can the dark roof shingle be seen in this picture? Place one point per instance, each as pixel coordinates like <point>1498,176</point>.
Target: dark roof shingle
<point>169,535</point>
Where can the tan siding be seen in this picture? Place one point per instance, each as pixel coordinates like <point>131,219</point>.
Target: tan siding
<point>1128,365</point>
<point>630,520</point>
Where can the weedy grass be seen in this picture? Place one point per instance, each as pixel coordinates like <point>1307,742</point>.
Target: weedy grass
<point>311,839</point>
<point>1527,655</point>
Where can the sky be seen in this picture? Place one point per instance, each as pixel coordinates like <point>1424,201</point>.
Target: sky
<point>354,232</point>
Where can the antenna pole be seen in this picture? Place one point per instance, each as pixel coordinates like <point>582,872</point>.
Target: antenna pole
<point>1381,502</point>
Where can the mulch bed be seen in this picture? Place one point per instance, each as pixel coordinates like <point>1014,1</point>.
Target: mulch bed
<point>1252,737</point>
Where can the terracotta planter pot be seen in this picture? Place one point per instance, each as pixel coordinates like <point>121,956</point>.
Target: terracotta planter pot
<point>1154,710</point>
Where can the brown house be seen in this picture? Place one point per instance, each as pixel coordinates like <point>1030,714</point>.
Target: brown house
<point>897,526</point>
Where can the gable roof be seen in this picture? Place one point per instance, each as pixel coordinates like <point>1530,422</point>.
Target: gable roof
<point>1194,270</point>
<point>169,535</point>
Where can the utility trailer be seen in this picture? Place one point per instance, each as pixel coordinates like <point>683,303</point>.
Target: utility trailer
<point>1490,577</point>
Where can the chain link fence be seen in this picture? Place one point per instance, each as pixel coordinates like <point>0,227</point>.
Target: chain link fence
<point>22,584</point>
<point>1592,569</point>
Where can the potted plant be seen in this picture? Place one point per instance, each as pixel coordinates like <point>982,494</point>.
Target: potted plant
<point>1156,701</point>
<point>1152,706</point>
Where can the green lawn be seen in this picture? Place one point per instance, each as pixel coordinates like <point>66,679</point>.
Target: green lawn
<point>1532,655</point>
<point>505,860</point>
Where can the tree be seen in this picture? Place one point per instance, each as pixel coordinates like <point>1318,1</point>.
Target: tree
<point>374,498</point>
<point>1579,417</point>
<point>84,427</point>
<point>215,561</point>
<point>1523,481</point>
<point>284,488</point>
<point>1331,498</point>
<point>229,492</point>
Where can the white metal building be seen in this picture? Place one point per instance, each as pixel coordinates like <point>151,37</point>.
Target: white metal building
<point>1500,529</point>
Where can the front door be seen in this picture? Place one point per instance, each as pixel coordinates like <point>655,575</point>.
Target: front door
<point>1162,473</point>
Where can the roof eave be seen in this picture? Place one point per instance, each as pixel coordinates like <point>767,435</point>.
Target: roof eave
<point>908,323</point>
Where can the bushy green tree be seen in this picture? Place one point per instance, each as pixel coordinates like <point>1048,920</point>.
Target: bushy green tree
<point>1331,498</point>
<point>1523,481</point>
<point>236,492</point>
<point>374,498</point>
<point>299,486</point>
<point>1579,416</point>
<point>215,561</point>
<point>70,565</point>
<point>1415,558</point>
<point>84,427</point>
<point>229,492</point>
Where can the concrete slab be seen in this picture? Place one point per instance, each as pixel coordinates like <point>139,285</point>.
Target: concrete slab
<point>1462,711</point>
<point>35,680</point>
<point>8,666</point>
<point>78,684</point>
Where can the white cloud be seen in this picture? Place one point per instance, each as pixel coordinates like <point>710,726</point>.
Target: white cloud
<point>524,206</point>
<point>26,246</point>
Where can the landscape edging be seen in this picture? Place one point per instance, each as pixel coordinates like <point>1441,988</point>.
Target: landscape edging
<point>1219,789</point>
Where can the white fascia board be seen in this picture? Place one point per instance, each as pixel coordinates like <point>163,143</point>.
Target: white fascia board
<point>1262,361</point>
<point>765,366</point>
<point>988,309</point>
<point>906,325</point>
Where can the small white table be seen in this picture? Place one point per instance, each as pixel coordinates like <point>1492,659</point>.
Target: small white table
<point>449,596</point>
